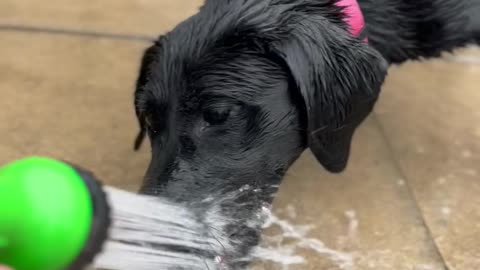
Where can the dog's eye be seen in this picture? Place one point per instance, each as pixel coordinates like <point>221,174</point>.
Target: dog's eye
<point>216,116</point>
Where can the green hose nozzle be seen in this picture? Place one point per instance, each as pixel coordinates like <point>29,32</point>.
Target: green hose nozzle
<point>53,215</point>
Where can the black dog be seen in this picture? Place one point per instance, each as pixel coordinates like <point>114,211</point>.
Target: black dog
<point>233,95</point>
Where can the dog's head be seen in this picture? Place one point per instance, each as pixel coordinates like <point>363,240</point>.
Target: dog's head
<point>233,95</point>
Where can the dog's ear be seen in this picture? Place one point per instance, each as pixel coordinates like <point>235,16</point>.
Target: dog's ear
<point>148,58</point>
<point>339,77</point>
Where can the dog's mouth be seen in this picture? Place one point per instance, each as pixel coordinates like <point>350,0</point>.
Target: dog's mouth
<point>236,226</point>
<point>231,211</point>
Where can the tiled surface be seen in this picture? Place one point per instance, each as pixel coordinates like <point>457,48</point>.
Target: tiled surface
<point>70,98</point>
<point>409,199</point>
<point>150,17</point>
<point>365,217</point>
<point>433,122</point>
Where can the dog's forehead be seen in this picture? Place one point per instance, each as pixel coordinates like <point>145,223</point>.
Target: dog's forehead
<point>202,55</point>
<point>177,58</point>
<point>236,73</point>
<point>245,78</point>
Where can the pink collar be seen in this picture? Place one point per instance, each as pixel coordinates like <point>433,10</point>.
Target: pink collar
<point>354,16</point>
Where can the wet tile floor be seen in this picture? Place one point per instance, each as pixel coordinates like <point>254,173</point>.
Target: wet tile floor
<point>408,201</point>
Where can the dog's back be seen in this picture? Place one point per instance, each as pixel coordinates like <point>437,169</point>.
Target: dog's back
<point>403,29</point>
<point>473,15</point>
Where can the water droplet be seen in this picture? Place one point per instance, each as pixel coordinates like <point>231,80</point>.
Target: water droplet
<point>218,259</point>
<point>244,188</point>
<point>208,199</point>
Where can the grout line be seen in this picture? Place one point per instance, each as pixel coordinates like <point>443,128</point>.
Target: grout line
<point>73,32</point>
<point>397,165</point>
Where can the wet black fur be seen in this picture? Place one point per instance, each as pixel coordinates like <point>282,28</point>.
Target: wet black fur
<point>233,95</point>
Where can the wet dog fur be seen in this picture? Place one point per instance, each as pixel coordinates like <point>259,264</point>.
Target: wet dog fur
<point>233,95</point>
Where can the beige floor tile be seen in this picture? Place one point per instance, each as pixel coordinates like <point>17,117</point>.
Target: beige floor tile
<point>71,98</point>
<point>365,218</point>
<point>431,114</point>
<point>150,17</point>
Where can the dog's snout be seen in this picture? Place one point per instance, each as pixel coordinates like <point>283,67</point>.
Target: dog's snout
<point>188,147</point>
<point>164,151</point>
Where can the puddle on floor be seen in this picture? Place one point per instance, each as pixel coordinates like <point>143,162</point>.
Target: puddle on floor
<point>290,246</point>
